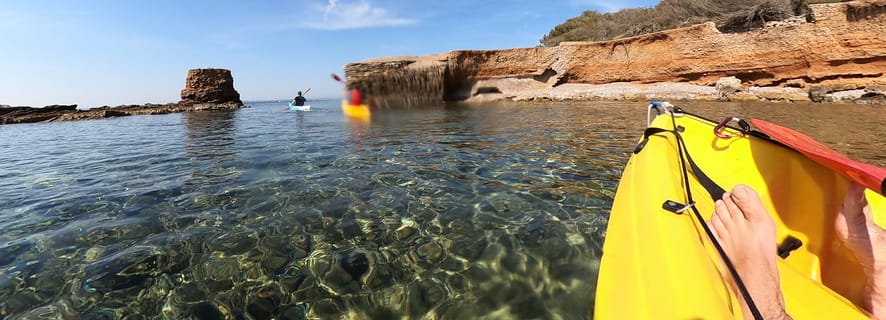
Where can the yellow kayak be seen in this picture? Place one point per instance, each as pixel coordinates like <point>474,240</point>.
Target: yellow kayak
<point>658,264</point>
<point>359,111</point>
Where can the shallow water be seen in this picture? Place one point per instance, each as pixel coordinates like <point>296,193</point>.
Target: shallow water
<point>449,212</point>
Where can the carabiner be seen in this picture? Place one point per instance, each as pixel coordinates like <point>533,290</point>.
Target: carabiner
<point>745,127</point>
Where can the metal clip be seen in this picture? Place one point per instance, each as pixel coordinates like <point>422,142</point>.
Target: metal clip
<point>660,107</point>
<point>718,130</point>
<point>676,207</point>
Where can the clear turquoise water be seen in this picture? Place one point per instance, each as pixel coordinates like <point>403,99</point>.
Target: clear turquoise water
<point>446,212</point>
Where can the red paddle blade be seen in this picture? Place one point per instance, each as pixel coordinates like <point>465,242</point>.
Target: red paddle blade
<point>336,78</point>
<point>869,176</point>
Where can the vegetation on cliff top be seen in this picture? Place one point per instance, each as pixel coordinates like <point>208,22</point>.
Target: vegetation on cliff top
<point>729,15</point>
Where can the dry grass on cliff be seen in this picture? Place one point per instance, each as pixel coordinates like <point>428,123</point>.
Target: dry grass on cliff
<point>729,15</point>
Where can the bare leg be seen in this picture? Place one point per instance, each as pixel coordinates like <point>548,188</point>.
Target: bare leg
<point>747,234</point>
<point>855,226</point>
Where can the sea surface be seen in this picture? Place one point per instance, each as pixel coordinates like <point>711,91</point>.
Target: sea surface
<point>438,212</point>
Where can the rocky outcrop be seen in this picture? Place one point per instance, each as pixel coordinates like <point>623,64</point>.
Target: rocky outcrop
<point>209,86</point>
<point>11,115</point>
<point>205,89</point>
<point>843,49</point>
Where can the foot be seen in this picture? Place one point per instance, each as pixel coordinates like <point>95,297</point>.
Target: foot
<point>747,234</point>
<point>855,226</point>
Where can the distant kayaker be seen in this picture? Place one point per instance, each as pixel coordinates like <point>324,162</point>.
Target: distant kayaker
<point>299,100</point>
<point>747,233</point>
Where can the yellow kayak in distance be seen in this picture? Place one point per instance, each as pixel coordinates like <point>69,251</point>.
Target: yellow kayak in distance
<point>359,111</point>
<point>658,262</point>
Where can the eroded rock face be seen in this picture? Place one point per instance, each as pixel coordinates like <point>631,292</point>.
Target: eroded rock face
<point>209,86</point>
<point>842,49</point>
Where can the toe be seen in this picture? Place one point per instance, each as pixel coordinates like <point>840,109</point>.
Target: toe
<point>717,226</point>
<point>868,214</point>
<point>749,202</point>
<point>722,210</point>
<point>734,210</point>
<point>853,202</point>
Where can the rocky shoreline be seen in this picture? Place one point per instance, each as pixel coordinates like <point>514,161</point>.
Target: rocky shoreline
<point>727,89</point>
<point>205,89</point>
<point>54,113</point>
<point>839,55</point>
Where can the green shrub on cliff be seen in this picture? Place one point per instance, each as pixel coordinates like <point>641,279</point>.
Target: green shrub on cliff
<point>729,15</point>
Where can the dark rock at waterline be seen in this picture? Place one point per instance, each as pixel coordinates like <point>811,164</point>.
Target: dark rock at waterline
<point>13,115</point>
<point>205,89</point>
<point>28,114</point>
<point>8,110</point>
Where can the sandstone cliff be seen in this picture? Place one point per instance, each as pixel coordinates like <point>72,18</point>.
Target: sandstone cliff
<point>839,55</point>
<point>205,89</point>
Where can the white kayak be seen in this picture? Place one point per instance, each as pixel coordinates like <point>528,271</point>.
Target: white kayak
<point>299,108</point>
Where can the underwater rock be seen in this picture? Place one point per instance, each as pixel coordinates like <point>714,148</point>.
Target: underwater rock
<point>326,309</point>
<point>342,271</point>
<point>423,296</point>
<point>233,243</point>
<point>115,231</point>
<point>430,253</point>
<point>355,262</point>
<point>127,268</point>
<point>263,303</point>
<point>10,250</point>
<point>206,311</point>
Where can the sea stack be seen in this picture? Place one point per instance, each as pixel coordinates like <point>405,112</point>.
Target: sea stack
<point>214,86</point>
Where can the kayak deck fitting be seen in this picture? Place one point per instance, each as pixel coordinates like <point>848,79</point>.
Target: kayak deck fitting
<point>658,264</point>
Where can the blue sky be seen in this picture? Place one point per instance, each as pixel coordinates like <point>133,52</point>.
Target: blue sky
<point>103,52</point>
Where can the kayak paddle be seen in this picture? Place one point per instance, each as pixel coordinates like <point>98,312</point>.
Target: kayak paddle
<point>869,176</point>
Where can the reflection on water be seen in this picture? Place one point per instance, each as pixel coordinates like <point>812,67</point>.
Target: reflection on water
<point>210,147</point>
<point>444,212</point>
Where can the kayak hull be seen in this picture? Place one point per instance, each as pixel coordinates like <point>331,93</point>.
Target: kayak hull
<point>657,264</point>
<point>293,107</point>
<point>360,111</point>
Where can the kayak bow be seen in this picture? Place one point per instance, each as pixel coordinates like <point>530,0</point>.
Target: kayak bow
<point>660,263</point>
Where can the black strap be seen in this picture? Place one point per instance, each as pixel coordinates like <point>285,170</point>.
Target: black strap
<point>714,190</point>
<point>648,132</point>
<point>716,193</point>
